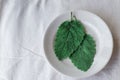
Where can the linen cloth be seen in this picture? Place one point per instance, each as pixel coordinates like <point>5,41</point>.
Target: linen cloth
<point>22,24</point>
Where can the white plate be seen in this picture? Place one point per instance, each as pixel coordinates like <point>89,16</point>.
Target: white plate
<point>94,26</point>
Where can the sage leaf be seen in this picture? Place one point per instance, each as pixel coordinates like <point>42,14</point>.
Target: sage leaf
<point>68,37</point>
<point>83,56</point>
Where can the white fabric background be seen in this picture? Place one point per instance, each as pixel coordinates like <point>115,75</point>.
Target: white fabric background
<point>22,24</point>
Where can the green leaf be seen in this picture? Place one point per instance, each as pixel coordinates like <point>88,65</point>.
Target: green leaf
<point>83,56</point>
<point>68,37</point>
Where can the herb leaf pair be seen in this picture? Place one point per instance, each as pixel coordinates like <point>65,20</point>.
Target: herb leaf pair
<point>72,41</point>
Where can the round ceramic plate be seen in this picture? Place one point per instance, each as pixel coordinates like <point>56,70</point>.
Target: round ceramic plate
<point>95,26</point>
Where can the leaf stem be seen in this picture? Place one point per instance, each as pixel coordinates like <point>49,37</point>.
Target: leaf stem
<point>71,16</point>
<point>75,17</point>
